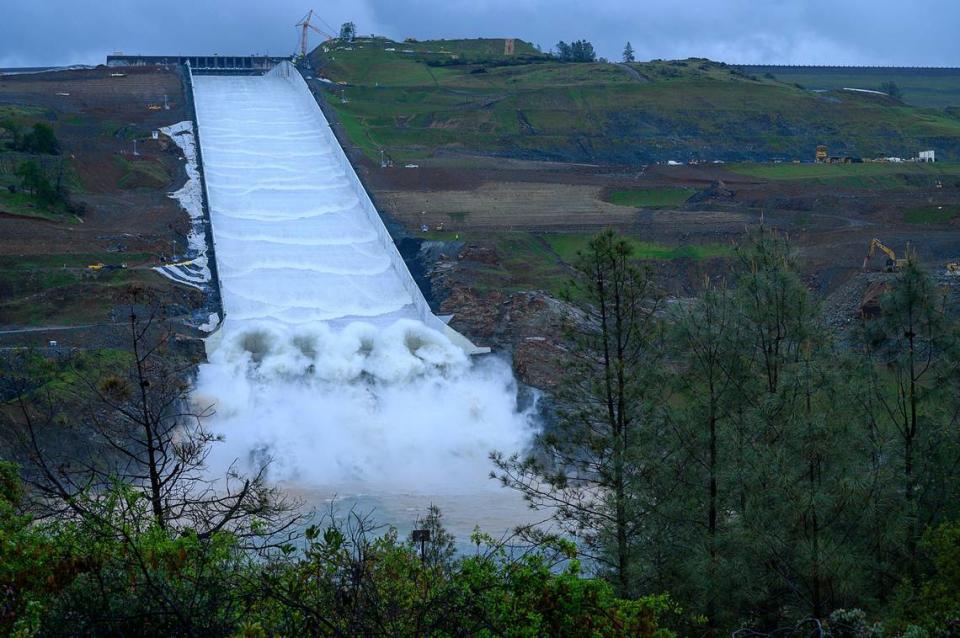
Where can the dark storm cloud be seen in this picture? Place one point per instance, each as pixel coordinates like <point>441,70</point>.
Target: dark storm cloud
<point>41,32</point>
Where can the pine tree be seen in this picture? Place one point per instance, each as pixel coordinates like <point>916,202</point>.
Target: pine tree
<point>590,467</point>
<point>913,372</point>
<point>700,510</point>
<point>628,55</point>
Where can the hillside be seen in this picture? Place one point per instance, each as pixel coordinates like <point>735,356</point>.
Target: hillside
<point>424,99</point>
<point>929,87</point>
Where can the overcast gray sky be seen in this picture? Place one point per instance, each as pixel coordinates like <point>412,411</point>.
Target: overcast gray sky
<point>881,32</point>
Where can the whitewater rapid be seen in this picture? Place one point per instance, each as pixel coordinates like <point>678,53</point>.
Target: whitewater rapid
<point>329,362</point>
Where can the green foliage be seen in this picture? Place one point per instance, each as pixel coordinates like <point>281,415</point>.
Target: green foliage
<point>569,245</point>
<point>348,31</point>
<point>33,179</point>
<point>114,572</point>
<point>776,478</point>
<point>576,51</point>
<point>13,131</point>
<point>932,606</point>
<point>415,100</point>
<point>892,89</point>
<point>349,584</point>
<point>590,464</point>
<point>40,139</point>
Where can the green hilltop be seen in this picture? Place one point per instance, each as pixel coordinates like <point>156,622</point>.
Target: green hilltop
<point>937,87</point>
<point>415,100</point>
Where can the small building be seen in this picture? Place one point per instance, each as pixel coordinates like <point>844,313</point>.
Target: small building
<point>927,156</point>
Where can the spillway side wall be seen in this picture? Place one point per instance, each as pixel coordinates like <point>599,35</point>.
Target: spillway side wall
<point>213,339</point>
<point>187,76</point>
<point>291,74</point>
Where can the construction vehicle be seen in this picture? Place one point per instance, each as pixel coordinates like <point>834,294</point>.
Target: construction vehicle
<point>893,263</point>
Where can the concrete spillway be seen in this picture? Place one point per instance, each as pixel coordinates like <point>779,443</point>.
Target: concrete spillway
<point>298,240</point>
<point>329,362</point>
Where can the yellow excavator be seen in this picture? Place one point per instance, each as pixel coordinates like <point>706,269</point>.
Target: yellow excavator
<point>893,263</point>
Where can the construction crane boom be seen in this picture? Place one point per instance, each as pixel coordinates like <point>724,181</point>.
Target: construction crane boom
<point>305,27</point>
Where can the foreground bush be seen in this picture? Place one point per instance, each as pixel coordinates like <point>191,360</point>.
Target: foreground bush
<point>117,573</point>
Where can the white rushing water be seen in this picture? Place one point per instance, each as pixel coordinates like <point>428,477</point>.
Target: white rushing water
<point>329,361</point>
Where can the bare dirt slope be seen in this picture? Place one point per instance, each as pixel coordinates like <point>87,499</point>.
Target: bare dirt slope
<point>127,216</point>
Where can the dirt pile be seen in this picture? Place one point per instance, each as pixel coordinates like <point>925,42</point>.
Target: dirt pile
<point>717,191</point>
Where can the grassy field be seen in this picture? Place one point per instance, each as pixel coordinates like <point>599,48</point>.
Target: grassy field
<point>531,261</point>
<point>937,88</point>
<point>649,197</point>
<point>20,203</point>
<point>66,297</point>
<point>567,245</point>
<point>60,288</point>
<point>871,175</point>
<point>24,205</point>
<point>32,263</point>
<point>930,215</point>
<point>21,115</point>
<point>142,173</point>
<point>413,100</point>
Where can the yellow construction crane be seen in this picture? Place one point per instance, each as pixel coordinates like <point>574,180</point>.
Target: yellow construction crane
<point>305,27</point>
<point>893,264</point>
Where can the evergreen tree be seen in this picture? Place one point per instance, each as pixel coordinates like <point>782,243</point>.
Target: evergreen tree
<point>892,89</point>
<point>628,55</point>
<point>913,375</point>
<point>590,468</point>
<point>41,139</point>
<point>348,31</point>
<point>577,51</point>
<point>699,511</point>
<point>33,179</point>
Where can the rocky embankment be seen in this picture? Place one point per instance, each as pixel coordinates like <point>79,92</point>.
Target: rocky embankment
<point>528,326</point>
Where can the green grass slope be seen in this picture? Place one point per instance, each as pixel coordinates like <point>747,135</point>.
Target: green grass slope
<point>930,87</point>
<point>415,100</point>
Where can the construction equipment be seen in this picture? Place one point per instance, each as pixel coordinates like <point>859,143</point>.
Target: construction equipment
<point>305,27</point>
<point>893,264</point>
<point>953,268</point>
